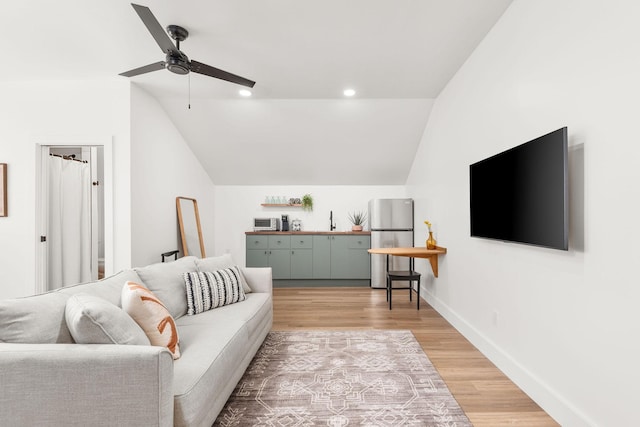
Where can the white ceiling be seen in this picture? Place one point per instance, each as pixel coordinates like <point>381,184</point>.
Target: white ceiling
<point>397,55</point>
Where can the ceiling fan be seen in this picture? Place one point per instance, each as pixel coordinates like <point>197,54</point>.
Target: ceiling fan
<point>176,61</point>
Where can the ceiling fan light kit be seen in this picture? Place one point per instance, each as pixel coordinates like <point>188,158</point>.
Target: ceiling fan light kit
<point>177,61</point>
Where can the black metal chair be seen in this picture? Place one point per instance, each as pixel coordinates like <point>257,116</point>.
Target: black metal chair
<point>406,276</point>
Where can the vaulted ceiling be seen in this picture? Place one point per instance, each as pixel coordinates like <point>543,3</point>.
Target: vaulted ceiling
<point>297,127</point>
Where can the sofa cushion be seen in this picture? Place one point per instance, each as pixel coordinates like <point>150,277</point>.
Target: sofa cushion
<point>166,281</point>
<point>218,263</point>
<point>41,318</point>
<point>108,289</point>
<point>93,320</point>
<point>252,312</point>
<point>211,358</point>
<point>211,289</point>
<point>152,316</point>
<point>216,355</point>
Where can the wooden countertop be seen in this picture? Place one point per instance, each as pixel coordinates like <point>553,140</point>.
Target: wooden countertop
<point>360,233</point>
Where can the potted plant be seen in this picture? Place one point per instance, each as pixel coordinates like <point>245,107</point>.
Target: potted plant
<point>357,219</point>
<point>307,202</point>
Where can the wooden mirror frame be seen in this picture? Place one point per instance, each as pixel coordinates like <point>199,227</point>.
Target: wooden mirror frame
<point>185,246</point>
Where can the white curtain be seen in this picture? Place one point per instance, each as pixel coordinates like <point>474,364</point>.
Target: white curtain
<point>69,231</point>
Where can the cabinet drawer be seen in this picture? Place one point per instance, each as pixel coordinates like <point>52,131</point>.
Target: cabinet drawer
<point>359,242</point>
<point>301,242</point>
<point>279,242</point>
<point>257,242</point>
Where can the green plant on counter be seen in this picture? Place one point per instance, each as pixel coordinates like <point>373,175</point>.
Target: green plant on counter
<point>357,218</point>
<point>307,202</point>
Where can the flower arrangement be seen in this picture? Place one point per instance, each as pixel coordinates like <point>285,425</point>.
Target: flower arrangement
<point>431,242</point>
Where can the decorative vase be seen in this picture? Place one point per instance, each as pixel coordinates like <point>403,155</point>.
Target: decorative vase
<point>356,228</point>
<point>431,242</point>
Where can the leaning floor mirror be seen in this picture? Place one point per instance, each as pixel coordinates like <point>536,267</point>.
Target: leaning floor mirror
<point>190,230</point>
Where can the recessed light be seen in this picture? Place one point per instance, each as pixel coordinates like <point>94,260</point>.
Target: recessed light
<point>349,92</point>
<point>244,92</point>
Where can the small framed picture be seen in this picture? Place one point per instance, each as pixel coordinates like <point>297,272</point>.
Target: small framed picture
<point>3,189</point>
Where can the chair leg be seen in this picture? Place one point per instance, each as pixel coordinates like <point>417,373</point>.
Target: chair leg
<point>390,291</point>
<point>418,303</point>
<point>410,290</point>
<point>387,289</point>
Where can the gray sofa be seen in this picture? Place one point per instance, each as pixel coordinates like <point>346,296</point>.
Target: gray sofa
<point>47,379</point>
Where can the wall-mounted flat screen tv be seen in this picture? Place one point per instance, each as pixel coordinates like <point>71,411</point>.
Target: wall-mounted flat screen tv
<point>521,195</point>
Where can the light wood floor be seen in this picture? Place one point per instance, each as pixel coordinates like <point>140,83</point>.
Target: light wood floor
<point>485,394</point>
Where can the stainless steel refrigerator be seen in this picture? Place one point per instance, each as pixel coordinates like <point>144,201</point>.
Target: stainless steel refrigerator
<point>391,223</point>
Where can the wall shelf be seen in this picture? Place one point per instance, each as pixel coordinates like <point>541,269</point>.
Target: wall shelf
<point>280,205</point>
<point>417,252</point>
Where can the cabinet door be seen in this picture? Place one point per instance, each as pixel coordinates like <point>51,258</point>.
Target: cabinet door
<point>302,263</point>
<point>257,241</point>
<point>280,263</point>
<point>322,257</point>
<point>340,266</point>
<point>279,242</point>
<point>349,257</point>
<point>257,258</point>
<point>359,258</point>
<point>359,264</point>
<point>302,242</point>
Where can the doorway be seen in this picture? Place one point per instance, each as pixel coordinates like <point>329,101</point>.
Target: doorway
<point>71,221</point>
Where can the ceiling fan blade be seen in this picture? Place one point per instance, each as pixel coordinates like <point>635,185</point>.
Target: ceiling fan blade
<point>154,27</point>
<point>146,69</point>
<point>208,70</point>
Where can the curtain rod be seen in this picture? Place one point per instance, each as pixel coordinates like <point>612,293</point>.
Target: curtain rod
<point>71,157</point>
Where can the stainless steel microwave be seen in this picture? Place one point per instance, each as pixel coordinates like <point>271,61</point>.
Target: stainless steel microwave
<point>266,224</point>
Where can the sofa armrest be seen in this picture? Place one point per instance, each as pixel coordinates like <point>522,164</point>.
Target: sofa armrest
<point>258,278</point>
<point>78,384</point>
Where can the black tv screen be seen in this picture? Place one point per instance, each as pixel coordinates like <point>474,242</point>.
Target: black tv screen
<point>520,195</point>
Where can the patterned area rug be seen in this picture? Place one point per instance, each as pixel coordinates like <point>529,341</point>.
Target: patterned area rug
<point>341,378</point>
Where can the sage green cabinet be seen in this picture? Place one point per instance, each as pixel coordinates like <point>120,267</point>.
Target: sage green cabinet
<point>270,251</point>
<point>341,257</point>
<point>306,256</point>
<point>322,257</point>
<point>301,256</point>
<point>349,257</point>
<point>302,263</point>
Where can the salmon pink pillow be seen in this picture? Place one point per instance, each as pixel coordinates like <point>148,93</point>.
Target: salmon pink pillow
<point>152,316</point>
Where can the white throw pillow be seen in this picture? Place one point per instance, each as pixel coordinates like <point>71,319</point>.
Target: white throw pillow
<point>92,320</point>
<point>152,316</point>
<point>208,290</point>
<point>218,263</point>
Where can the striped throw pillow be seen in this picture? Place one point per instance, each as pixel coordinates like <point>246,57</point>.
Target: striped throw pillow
<point>208,290</point>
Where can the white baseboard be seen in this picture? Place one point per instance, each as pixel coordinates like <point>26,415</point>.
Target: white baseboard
<point>554,404</point>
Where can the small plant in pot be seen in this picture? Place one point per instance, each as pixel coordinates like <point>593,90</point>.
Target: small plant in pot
<point>357,219</point>
<point>307,202</point>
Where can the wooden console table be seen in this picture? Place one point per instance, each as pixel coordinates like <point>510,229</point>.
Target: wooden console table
<point>414,252</point>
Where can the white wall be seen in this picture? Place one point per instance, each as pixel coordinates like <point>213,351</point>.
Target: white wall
<point>316,141</point>
<point>237,205</point>
<point>567,322</point>
<point>31,112</point>
<point>163,167</point>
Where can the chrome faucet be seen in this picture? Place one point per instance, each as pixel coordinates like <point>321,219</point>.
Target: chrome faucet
<point>332,226</point>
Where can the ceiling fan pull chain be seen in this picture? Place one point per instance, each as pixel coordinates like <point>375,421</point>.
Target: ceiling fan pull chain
<point>189,91</point>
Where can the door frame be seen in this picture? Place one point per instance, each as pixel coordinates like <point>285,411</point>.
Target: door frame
<point>42,144</point>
